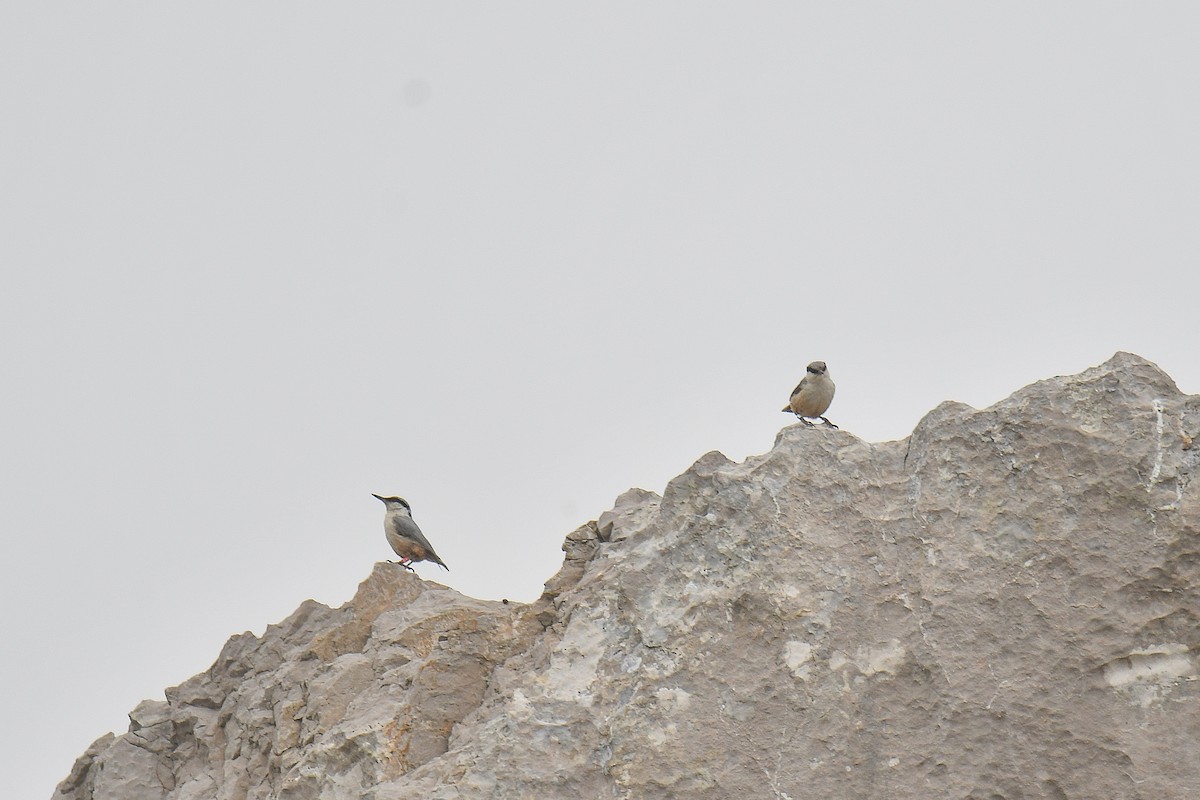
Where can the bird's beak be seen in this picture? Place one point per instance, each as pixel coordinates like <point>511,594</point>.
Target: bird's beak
<point>377,497</point>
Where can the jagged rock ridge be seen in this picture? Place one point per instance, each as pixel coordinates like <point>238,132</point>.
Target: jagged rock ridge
<point>1004,605</point>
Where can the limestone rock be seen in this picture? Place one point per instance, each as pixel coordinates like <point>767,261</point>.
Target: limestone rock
<point>1004,605</point>
<point>328,703</point>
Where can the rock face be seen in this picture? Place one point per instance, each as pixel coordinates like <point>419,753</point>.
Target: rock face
<point>1004,605</point>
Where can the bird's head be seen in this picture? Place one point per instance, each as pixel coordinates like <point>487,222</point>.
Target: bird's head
<point>394,502</point>
<point>816,368</point>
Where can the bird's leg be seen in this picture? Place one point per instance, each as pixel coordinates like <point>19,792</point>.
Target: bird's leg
<point>805,421</point>
<point>827,422</point>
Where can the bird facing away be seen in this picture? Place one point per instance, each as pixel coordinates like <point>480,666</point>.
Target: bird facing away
<point>404,535</point>
<point>811,398</point>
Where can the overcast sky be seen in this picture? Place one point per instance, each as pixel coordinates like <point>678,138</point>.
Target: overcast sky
<point>261,260</point>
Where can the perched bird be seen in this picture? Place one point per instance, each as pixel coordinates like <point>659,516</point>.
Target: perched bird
<point>404,535</point>
<point>814,394</point>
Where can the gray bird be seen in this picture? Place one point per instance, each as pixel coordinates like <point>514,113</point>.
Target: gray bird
<point>811,398</point>
<point>404,535</point>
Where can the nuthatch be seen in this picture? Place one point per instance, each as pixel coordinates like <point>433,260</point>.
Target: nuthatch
<point>404,535</point>
<point>811,398</point>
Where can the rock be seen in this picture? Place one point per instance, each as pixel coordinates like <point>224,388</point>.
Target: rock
<point>1004,605</point>
<point>326,704</point>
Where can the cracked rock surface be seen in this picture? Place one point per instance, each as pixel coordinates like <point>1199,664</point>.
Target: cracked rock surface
<point>1004,605</point>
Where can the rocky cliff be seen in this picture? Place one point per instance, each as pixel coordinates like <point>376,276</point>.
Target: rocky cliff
<point>1004,605</point>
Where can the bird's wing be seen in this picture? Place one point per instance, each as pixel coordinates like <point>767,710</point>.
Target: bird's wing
<point>408,528</point>
<point>803,382</point>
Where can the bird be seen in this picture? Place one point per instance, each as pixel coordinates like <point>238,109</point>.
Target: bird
<point>812,396</point>
<point>404,535</point>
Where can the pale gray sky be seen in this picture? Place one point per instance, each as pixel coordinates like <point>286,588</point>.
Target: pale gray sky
<point>508,260</point>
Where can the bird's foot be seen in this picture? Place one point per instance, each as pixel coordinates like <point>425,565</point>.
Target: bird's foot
<point>830,424</point>
<point>404,564</point>
<point>806,422</point>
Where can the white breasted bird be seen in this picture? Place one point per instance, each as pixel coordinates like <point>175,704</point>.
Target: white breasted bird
<point>811,398</point>
<point>404,535</point>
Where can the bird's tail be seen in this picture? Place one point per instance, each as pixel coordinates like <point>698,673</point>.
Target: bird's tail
<point>787,410</point>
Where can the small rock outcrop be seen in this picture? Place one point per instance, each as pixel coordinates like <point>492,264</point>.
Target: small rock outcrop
<point>1004,605</point>
<point>328,703</point>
